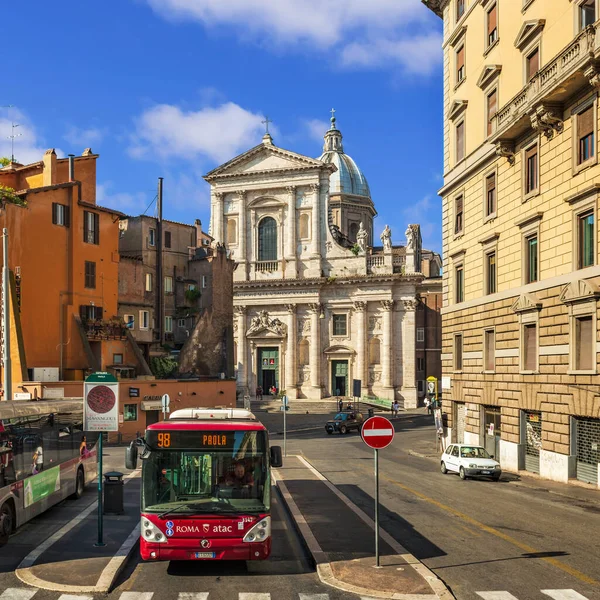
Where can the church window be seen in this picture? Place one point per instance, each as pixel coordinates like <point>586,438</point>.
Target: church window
<point>267,239</point>
<point>303,353</point>
<point>340,325</point>
<point>353,231</point>
<point>374,352</point>
<point>231,231</point>
<point>304,226</point>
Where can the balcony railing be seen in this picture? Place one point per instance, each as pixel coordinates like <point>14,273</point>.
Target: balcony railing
<point>100,329</point>
<point>375,261</point>
<point>267,266</point>
<point>554,82</point>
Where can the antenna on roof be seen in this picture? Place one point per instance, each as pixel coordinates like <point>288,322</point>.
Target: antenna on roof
<point>13,135</point>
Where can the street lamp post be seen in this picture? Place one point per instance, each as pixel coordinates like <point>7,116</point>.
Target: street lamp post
<point>6,363</point>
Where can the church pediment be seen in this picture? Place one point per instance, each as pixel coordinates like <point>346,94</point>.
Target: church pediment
<point>579,290</point>
<point>265,158</point>
<point>338,349</point>
<point>263,326</point>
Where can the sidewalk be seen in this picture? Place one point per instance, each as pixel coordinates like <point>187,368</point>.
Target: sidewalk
<point>69,561</point>
<point>340,538</point>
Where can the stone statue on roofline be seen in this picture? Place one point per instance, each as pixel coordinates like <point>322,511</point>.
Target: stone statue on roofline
<point>410,238</point>
<point>362,237</point>
<point>386,238</point>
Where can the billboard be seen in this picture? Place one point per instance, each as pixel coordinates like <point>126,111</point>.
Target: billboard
<point>101,403</point>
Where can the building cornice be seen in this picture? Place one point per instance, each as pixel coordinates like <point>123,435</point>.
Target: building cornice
<point>436,6</point>
<point>583,194</point>
<point>528,219</point>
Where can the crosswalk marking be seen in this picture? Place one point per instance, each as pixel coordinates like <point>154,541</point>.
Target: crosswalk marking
<point>74,597</point>
<point>193,596</point>
<point>135,596</point>
<point>313,596</point>
<point>17,594</point>
<point>563,594</point>
<point>496,596</point>
<point>252,596</point>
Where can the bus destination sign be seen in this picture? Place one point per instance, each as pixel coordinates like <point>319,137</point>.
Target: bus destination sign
<point>185,440</point>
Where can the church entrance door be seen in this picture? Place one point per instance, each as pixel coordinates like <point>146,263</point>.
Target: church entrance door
<point>339,377</point>
<point>268,368</point>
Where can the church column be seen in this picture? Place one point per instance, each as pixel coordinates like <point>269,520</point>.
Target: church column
<point>242,231</point>
<point>242,352</point>
<point>361,347</point>
<point>316,214</point>
<point>217,215</point>
<point>291,370</point>
<point>409,390</point>
<point>315,348</point>
<point>290,246</point>
<point>387,354</point>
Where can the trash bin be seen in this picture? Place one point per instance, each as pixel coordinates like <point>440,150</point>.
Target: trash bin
<point>371,412</point>
<point>113,493</point>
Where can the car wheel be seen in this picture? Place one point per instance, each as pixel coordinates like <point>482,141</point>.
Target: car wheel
<point>343,429</point>
<point>329,431</point>
<point>443,468</point>
<point>496,477</point>
<point>79,485</point>
<point>462,473</point>
<point>7,522</point>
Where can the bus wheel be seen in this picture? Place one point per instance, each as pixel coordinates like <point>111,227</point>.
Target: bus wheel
<point>79,484</point>
<point>7,522</point>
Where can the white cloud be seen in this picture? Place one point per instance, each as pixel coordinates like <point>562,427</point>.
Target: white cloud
<point>125,202</point>
<point>317,128</point>
<point>167,131</point>
<point>84,138</point>
<point>367,33</point>
<point>29,146</point>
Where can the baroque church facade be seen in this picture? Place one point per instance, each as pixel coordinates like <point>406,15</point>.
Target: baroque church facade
<point>316,304</point>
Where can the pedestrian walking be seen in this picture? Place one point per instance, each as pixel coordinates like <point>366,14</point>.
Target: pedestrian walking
<point>395,409</point>
<point>259,393</point>
<point>427,404</point>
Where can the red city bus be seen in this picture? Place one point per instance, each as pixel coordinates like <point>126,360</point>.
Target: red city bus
<point>206,486</point>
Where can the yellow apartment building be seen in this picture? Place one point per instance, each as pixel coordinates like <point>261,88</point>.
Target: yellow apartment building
<point>520,232</point>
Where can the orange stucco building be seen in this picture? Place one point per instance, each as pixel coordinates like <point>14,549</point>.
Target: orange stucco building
<point>64,260</point>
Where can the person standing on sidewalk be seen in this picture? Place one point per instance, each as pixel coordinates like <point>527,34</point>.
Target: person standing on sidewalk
<point>340,405</point>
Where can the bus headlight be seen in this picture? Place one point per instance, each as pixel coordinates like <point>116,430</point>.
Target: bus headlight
<point>151,533</point>
<point>260,532</point>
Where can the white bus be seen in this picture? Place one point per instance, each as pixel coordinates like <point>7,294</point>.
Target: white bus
<point>44,458</point>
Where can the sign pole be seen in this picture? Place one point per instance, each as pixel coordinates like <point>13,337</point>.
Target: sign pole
<point>377,507</point>
<point>285,405</point>
<point>100,541</point>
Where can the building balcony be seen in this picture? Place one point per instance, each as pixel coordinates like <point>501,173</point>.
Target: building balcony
<point>267,266</point>
<point>100,329</point>
<point>539,105</point>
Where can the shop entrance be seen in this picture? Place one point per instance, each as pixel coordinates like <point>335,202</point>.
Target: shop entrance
<point>587,434</point>
<point>532,422</point>
<point>268,369</point>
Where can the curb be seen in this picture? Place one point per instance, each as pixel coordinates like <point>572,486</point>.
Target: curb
<point>323,566</point>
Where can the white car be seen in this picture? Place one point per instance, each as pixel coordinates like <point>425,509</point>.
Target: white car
<point>470,461</point>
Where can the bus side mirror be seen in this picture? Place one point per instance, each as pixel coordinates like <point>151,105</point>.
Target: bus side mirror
<point>131,456</point>
<point>276,457</point>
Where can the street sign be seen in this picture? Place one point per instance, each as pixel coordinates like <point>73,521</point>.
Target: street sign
<point>285,400</point>
<point>166,401</point>
<point>377,432</point>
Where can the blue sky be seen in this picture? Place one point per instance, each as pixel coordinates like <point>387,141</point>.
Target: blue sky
<point>173,88</point>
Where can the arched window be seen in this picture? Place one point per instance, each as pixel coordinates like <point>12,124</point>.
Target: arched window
<point>353,232</point>
<point>231,231</point>
<point>304,226</point>
<point>303,353</point>
<point>267,239</point>
<point>374,351</point>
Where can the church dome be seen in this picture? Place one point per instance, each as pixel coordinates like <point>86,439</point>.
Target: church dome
<point>348,179</point>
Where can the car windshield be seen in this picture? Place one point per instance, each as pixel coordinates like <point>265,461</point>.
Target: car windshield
<point>231,479</point>
<point>341,417</point>
<point>474,452</point>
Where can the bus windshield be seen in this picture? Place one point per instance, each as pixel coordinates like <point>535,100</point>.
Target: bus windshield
<point>228,473</point>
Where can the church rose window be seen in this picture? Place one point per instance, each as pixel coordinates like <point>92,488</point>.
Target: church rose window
<point>267,239</point>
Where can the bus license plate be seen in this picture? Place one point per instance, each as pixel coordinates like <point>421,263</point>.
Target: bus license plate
<point>204,554</point>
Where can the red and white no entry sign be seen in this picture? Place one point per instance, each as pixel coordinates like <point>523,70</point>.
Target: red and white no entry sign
<point>377,432</point>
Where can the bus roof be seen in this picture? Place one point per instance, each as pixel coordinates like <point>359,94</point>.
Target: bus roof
<point>204,425</point>
<point>211,413</point>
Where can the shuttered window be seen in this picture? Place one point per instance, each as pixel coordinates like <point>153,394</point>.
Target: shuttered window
<point>492,109</point>
<point>458,215</point>
<point>584,351</point>
<point>460,284</point>
<point>585,134</point>
<point>533,63</point>
<point>460,64</point>
<point>148,282</point>
<point>458,351</point>
<point>586,240</point>
<point>168,285</point>
<point>490,350</point>
<point>90,274</point>
<point>61,214</point>
<point>531,169</point>
<point>531,259</point>
<point>490,195</point>
<point>491,272</point>
<point>460,141</point>
<point>91,227</point>
<point>530,347</point>
<point>492,25</point>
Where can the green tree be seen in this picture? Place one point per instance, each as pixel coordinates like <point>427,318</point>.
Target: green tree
<point>9,195</point>
<point>4,161</point>
<point>163,366</point>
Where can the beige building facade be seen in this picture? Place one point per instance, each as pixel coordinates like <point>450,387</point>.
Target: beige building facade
<point>520,232</point>
<point>318,305</point>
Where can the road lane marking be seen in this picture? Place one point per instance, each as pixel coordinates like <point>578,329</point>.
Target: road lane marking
<point>17,594</point>
<point>507,538</point>
<point>253,596</point>
<point>193,596</point>
<point>496,596</point>
<point>117,562</point>
<point>136,595</point>
<point>313,596</point>
<point>73,597</point>
<point>563,594</point>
